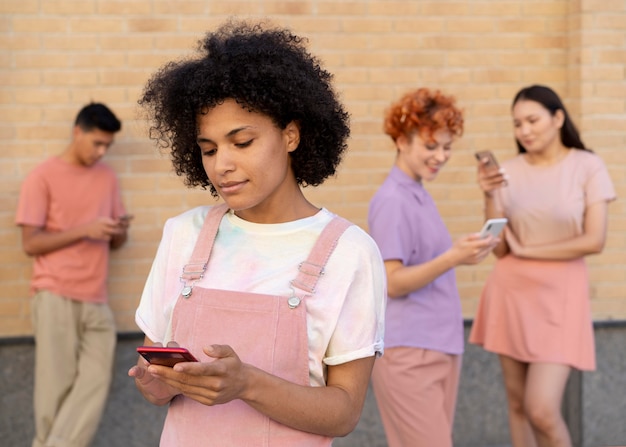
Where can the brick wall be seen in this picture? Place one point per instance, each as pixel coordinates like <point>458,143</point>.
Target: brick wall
<point>55,56</point>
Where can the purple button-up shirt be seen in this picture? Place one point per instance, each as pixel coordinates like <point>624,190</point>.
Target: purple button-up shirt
<point>405,223</point>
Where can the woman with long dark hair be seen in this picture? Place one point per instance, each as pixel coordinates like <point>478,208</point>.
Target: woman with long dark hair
<point>534,310</point>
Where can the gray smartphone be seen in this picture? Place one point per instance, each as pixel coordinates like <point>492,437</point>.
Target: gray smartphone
<point>493,227</point>
<point>488,160</point>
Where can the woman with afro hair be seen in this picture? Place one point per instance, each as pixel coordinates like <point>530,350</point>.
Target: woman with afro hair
<point>280,301</point>
<point>416,381</point>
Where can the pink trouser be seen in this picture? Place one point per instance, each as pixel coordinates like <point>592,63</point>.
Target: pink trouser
<point>74,352</point>
<point>416,391</point>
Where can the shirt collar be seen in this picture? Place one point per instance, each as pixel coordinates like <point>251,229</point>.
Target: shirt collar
<point>403,179</point>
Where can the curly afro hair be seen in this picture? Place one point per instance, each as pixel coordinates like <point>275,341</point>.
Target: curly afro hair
<point>424,112</point>
<point>266,70</point>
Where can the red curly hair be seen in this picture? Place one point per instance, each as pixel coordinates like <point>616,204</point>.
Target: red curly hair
<point>424,112</point>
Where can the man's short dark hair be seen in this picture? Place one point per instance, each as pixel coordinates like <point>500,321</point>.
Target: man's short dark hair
<point>97,116</point>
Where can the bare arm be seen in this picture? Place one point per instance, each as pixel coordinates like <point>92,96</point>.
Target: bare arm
<point>591,241</point>
<point>38,241</point>
<point>489,181</point>
<point>332,410</point>
<point>402,279</point>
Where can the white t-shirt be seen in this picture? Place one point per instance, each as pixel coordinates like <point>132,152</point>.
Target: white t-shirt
<point>345,317</point>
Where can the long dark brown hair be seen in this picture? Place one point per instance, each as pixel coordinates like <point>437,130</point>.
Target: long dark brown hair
<point>548,98</point>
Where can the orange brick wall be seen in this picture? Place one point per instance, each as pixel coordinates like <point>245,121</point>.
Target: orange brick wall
<point>56,55</point>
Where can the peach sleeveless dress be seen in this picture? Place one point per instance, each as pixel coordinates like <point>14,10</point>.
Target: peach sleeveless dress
<point>538,310</point>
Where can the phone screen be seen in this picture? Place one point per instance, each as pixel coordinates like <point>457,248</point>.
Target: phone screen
<point>164,355</point>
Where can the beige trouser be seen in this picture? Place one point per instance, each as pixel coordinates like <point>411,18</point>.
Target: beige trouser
<point>74,352</point>
<point>416,391</point>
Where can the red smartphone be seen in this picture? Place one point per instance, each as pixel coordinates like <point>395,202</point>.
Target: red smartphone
<point>165,355</point>
<point>491,163</point>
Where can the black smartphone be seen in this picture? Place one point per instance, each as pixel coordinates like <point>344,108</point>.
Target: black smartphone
<point>165,355</point>
<point>488,160</point>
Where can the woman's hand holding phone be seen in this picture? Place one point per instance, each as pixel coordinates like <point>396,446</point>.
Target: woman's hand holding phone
<point>218,381</point>
<point>151,386</point>
<point>472,249</point>
<point>490,175</point>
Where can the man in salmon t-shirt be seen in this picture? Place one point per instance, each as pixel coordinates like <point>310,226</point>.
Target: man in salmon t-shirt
<point>71,214</point>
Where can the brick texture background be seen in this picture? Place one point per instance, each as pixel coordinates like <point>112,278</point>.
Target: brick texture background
<point>57,55</point>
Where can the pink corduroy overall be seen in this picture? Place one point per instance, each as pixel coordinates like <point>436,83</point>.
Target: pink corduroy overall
<point>269,332</point>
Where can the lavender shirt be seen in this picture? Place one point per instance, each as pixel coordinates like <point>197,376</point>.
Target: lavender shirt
<point>405,223</point>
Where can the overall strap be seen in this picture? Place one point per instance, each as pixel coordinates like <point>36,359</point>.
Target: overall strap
<point>309,271</point>
<point>194,269</point>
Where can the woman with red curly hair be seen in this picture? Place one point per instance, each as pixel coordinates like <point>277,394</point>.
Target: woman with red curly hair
<point>416,381</point>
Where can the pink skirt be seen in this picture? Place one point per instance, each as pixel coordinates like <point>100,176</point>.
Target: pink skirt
<point>537,312</point>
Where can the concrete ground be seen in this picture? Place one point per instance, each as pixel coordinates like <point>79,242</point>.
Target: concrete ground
<point>129,420</point>
<point>595,404</point>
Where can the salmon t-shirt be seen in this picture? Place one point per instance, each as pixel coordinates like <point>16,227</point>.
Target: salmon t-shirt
<point>546,204</point>
<point>58,196</point>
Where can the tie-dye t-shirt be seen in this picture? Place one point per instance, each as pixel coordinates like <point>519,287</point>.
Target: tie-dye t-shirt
<point>345,317</point>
